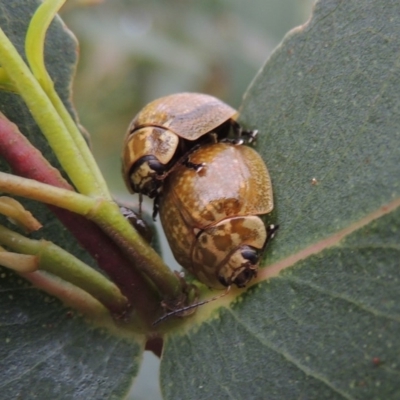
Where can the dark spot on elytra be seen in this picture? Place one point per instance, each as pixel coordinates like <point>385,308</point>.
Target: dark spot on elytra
<point>231,207</point>
<point>205,256</point>
<point>222,242</point>
<point>208,215</point>
<point>238,227</point>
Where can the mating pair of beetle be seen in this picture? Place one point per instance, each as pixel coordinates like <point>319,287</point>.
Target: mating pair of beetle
<point>185,150</point>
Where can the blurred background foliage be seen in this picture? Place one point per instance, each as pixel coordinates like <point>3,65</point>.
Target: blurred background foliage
<point>133,51</point>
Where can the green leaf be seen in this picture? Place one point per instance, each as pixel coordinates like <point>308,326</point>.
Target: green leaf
<point>45,351</point>
<point>323,321</point>
<point>49,351</point>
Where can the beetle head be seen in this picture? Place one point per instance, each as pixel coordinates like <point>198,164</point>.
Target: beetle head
<point>147,152</point>
<point>240,268</point>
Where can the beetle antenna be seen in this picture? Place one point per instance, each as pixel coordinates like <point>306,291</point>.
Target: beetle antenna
<point>181,310</point>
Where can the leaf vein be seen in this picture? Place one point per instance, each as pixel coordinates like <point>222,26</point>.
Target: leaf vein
<point>341,296</point>
<point>292,360</point>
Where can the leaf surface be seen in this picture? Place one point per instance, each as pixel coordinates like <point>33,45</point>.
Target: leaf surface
<point>50,351</point>
<point>323,320</point>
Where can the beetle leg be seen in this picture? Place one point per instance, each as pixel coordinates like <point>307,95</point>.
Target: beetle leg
<point>197,167</point>
<point>214,137</point>
<point>251,135</point>
<point>271,230</point>
<point>234,141</point>
<point>156,206</point>
<point>184,160</point>
<point>140,203</point>
<point>136,220</point>
<point>238,131</point>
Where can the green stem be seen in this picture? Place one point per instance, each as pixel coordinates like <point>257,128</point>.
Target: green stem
<point>59,262</point>
<point>5,83</point>
<point>35,38</point>
<point>49,121</point>
<point>71,296</point>
<point>23,263</point>
<point>31,189</point>
<point>34,49</point>
<point>101,212</point>
<point>145,258</point>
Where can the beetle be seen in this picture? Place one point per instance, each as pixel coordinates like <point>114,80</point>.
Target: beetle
<point>166,130</point>
<point>211,217</point>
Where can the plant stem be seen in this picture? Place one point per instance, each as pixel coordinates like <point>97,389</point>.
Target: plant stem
<point>35,38</point>
<point>18,262</point>
<point>34,49</point>
<point>101,212</point>
<point>5,83</point>
<point>144,257</point>
<point>21,217</point>
<point>29,188</point>
<point>49,121</point>
<point>27,161</point>
<point>59,262</point>
<point>70,295</point>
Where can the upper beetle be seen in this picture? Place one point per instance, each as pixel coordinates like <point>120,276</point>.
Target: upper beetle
<point>167,129</point>
<point>211,217</point>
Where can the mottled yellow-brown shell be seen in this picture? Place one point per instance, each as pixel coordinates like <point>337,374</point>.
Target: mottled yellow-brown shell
<point>189,115</point>
<point>234,182</point>
<point>209,214</point>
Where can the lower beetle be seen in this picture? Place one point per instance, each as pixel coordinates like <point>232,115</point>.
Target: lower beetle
<point>211,216</point>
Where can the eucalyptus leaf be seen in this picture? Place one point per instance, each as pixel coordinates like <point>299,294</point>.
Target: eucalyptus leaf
<point>48,351</point>
<point>323,320</point>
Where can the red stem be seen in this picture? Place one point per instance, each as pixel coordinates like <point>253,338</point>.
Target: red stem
<point>27,161</point>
